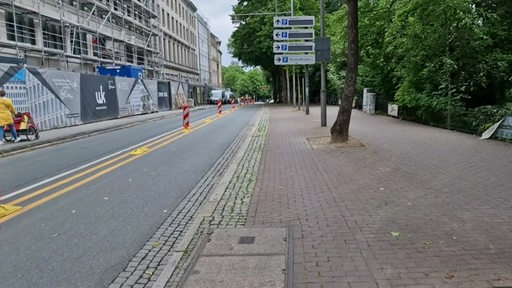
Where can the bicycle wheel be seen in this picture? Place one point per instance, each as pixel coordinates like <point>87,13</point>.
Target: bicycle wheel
<point>7,136</point>
<point>31,134</point>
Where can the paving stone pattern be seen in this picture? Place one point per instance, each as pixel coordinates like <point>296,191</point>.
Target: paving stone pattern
<point>233,207</point>
<point>416,207</point>
<point>145,268</point>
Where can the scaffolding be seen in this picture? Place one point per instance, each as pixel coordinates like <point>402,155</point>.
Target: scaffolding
<point>79,35</point>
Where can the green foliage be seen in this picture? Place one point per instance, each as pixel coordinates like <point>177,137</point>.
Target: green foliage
<point>252,41</point>
<point>241,82</point>
<point>447,63</point>
<point>439,60</point>
<point>470,120</point>
<point>231,75</point>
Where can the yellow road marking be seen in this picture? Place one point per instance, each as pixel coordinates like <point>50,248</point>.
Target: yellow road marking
<point>8,209</point>
<point>24,209</point>
<point>76,176</point>
<point>139,151</point>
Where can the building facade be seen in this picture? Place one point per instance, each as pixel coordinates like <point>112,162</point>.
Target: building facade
<point>215,57</point>
<point>203,36</point>
<point>162,36</point>
<point>179,40</point>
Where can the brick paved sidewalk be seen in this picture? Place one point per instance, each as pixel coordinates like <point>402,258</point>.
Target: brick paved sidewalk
<point>416,207</point>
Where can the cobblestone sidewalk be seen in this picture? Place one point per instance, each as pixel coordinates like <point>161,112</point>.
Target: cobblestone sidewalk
<point>149,267</point>
<point>415,207</point>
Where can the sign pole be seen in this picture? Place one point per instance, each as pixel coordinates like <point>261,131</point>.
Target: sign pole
<point>323,92</point>
<point>287,87</point>
<point>294,92</point>
<point>306,79</point>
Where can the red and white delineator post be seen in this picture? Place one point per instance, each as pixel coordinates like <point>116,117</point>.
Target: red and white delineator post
<point>186,117</point>
<point>232,103</point>
<point>219,107</point>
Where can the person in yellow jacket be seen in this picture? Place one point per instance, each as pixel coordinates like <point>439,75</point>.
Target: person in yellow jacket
<point>7,112</point>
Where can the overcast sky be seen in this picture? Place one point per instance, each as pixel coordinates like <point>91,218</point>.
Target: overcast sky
<point>217,15</point>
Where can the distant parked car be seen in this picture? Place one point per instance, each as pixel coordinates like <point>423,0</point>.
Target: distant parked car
<point>215,96</point>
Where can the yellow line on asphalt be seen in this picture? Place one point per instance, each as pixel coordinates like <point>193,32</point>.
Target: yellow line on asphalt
<point>24,209</point>
<point>76,176</point>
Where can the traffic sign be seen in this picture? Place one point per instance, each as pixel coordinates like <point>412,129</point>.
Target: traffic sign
<point>299,34</point>
<point>294,21</point>
<point>294,59</point>
<point>282,47</point>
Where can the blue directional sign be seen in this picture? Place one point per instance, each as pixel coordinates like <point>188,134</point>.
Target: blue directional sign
<point>294,21</point>
<point>294,59</point>
<point>299,34</point>
<point>284,47</point>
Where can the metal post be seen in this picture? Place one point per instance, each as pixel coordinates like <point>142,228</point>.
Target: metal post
<point>294,92</point>
<point>287,87</point>
<point>323,92</point>
<point>303,91</point>
<point>306,79</point>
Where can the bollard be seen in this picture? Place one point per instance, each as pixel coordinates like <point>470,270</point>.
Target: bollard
<point>186,117</point>
<point>219,107</point>
<point>232,103</point>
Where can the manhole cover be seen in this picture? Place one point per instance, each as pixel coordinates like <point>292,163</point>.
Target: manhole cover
<point>246,240</point>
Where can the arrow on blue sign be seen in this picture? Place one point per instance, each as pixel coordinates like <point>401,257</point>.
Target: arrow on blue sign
<point>283,47</point>
<point>282,34</point>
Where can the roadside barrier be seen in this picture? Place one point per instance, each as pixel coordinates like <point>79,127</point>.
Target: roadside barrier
<point>186,117</point>
<point>232,103</point>
<point>219,107</point>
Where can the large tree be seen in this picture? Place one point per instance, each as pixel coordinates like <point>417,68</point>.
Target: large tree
<point>340,128</point>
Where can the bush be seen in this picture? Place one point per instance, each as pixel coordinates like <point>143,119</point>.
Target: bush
<point>473,121</point>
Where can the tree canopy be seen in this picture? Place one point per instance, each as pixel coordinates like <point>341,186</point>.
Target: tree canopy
<point>252,82</point>
<point>436,59</point>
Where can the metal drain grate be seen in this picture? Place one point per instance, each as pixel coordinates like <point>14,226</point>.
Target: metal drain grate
<point>246,240</point>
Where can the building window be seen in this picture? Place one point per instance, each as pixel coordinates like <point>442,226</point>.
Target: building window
<point>24,32</point>
<point>165,49</point>
<point>173,52</point>
<point>52,35</point>
<point>170,51</point>
<point>79,43</point>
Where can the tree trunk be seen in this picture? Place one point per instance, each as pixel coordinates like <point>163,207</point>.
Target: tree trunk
<point>339,130</point>
<point>275,83</point>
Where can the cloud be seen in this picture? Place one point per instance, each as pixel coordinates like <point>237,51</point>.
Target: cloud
<point>217,14</point>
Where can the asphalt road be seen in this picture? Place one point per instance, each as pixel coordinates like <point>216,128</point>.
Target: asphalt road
<point>85,226</point>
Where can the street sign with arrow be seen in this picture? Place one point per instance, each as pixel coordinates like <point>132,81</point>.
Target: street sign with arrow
<point>299,34</point>
<point>294,21</point>
<point>294,59</point>
<point>283,47</point>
